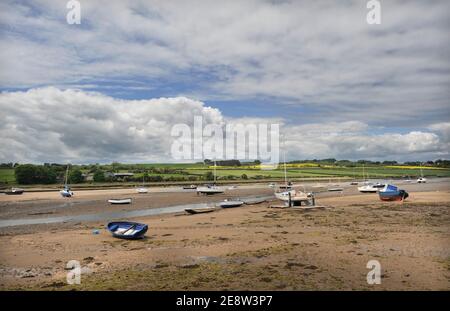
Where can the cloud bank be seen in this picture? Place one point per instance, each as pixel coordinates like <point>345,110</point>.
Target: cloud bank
<point>54,125</point>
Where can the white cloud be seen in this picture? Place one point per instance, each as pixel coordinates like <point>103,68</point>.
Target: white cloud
<point>319,54</point>
<point>53,125</point>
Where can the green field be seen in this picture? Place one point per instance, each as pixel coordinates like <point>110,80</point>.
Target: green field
<point>196,172</point>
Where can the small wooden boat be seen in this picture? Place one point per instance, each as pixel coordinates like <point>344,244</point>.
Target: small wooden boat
<point>199,210</point>
<point>392,193</point>
<point>127,229</point>
<point>230,203</point>
<point>14,191</point>
<point>142,190</point>
<point>120,201</point>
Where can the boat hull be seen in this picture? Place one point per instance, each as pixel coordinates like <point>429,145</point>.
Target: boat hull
<point>392,193</point>
<point>17,192</point>
<point>120,201</point>
<point>230,204</point>
<point>127,230</point>
<point>194,211</point>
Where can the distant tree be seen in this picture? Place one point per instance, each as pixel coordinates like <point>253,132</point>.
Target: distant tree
<point>76,177</point>
<point>28,174</point>
<point>209,175</point>
<point>99,176</point>
<point>244,176</point>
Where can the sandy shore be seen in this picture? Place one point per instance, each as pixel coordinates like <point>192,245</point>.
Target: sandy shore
<point>252,247</point>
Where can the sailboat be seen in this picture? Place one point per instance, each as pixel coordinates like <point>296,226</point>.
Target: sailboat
<point>210,189</point>
<point>367,187</point>
<point>142,189</point>
<point>66,192</point>
<point>288,194</point>
<point>335,187</point>
<point>421,179</point>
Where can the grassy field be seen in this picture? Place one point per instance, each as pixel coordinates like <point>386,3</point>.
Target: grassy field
<point>303,170</point>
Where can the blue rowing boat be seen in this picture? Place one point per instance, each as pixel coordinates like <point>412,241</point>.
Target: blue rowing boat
<point>127,229</point>
<point>392,193</point>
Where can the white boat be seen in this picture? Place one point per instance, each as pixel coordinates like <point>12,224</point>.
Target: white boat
<point>66,192</point>
<point>210,189</point>
<point>14,191</point>
<point>287,193</point>
<point>368,188</point>
<point>142,189</point>
<point>228,203</point>
<point>120,201</point>
<point>421,180</point>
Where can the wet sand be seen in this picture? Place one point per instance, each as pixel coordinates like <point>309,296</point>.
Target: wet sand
<point>251,247</point>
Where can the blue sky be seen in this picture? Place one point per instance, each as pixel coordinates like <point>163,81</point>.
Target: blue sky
<point>305,64</point>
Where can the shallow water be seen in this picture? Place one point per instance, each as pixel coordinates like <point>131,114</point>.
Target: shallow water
<point>107,216</point>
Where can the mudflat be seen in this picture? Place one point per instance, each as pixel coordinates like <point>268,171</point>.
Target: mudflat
<point>253,247</point>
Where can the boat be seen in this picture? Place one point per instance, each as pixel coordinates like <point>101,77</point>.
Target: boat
<point>142,189</point>
<point>288,194</point>
<point>120,201</point>
<point>379,185</point>
<point>421,179</point>
<point>232,187</point>
<point>66,192</point>
<point>210,189</point>
<point>14,191</point>
<point>334,188</point>
<point>228,203</point>
<point>190,187</point>
<point>354,183</point>
<point>127,229</point>
<point>199,210</point>
<point>368,188</point>
<point>392,193</point>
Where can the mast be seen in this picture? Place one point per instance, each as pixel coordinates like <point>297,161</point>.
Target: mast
<point>214,172</point>
<point>67,174</point>
<point>285,173</point>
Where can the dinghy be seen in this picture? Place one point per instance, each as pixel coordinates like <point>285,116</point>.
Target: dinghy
<point>14,191</point>
<point>120,201</point>
<point>392,193</point>
<point>127,229</point>
<point>199,210</point>
<point>230,203</point>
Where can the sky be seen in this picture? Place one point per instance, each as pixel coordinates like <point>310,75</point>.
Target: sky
<point>112,87</point>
